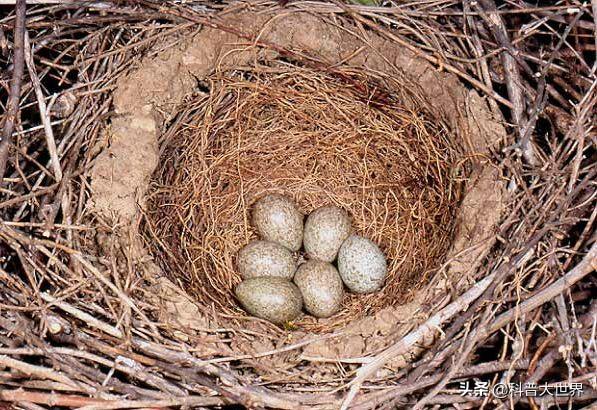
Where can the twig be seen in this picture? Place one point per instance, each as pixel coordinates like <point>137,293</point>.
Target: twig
<point>123,297</point>
<point>512,74</point>
<point>38,371</point>
<point>27,197</point>
<point>50,399</point>
<point>462,356</point>
<point>129,366</point>
<point>594,7</point>
<point>405,344</point>
<point>586,266</point>
<point>85,317</point>
<point>395,393</point>
<point>541,97</point>
<point>88,403</point>
<point>190,401</point>
<point>43,112</point>
<point>15,85</point>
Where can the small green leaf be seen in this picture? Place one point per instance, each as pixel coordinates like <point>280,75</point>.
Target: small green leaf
<point>290,326</point>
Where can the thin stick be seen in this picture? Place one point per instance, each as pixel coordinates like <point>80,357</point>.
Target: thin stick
<point>594,8</point>
<point>39,371</point>
<point>85,317</point>
<point>89,403</point>
<point>469,346</point>
<point>43,111</point>
<point>586,266</point>
<point>188,401</point>
<point>51,399</point>
<point>123,297</point>
<point>15,85</point>
<point>512,75</point>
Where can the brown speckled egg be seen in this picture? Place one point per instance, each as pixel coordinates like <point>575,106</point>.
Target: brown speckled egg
<point>321,287</point>
<point>263,258</point>
<point>275,299</point>
<point>325,230</point>
<point>362,265</point>
<point>278,220</point>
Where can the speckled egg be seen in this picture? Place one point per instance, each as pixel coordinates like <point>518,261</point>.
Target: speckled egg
<point>321,287</point>
<point>278,220</point>
<point>264,258</point>
<point>325,230</point>
<point>275,299</point>
<point>362,265</point>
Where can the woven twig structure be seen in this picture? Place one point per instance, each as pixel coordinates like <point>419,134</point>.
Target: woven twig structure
<point>136,136</point>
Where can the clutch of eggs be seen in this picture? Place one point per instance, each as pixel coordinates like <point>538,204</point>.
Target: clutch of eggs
<point>268,267</point>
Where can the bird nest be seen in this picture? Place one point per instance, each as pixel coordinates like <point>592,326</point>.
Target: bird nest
<point>130,190</point>
<point>353,135</point>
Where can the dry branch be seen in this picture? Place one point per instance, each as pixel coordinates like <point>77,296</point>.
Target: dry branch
<point>586,266</point>
<point>32,370</point>
<point>15,86</point>
<point>43,111</point>
<point>488,11</point>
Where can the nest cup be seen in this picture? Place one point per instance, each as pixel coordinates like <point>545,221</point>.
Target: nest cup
<point>338,137</point>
